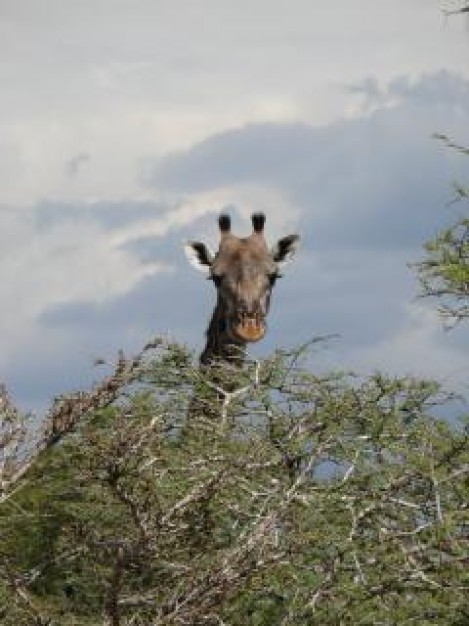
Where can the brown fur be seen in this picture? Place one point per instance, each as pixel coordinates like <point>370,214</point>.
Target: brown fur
<point>244,271</point>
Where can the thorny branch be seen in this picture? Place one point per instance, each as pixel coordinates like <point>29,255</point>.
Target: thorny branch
<point>23,596</point>
<point>183,531</point>
<point>66,414</point>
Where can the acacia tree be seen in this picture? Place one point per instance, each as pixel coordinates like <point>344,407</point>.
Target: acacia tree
<point>444,272</point>
<point>314,500</point>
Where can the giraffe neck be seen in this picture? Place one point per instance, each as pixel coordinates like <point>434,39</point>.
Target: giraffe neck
<point>220,347</point>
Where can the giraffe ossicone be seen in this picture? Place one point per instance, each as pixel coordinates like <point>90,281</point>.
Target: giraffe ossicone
<point>244,271</point>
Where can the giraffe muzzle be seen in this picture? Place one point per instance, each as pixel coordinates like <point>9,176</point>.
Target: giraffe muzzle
<point>250,329</point>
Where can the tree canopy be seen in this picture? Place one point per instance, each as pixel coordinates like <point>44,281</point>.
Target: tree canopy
<point>315,500</point>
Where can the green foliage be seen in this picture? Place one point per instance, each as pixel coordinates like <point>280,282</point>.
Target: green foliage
<point>444,272</point>
<point>310,500</point>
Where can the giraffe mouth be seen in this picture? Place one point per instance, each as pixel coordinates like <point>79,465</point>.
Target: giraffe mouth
<point>249,329</point>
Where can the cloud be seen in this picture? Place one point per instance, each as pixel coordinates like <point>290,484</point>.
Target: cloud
<point>377,181</point>
<point>136,80</point>
<point>369,191</point>
<point>245,112</point>
<point>363,193</point>
<point>53,254</point>
<point>436,87</point>
<point>108,215</point>
<point>418,347</point>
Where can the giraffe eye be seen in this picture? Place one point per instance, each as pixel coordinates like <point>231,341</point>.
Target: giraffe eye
<point>273,277</point>
<point>217,278</point>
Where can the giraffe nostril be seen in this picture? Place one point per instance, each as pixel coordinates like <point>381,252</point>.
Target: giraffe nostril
<point>245,314</point>
<point>242,312</point>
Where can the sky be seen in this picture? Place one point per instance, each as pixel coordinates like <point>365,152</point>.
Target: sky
<point>127,126</point>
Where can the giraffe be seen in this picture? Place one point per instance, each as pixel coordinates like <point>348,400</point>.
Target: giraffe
<point>244,271</point>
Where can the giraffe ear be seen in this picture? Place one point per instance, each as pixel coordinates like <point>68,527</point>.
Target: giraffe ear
<point>285,249</point>
<point>199,255</point>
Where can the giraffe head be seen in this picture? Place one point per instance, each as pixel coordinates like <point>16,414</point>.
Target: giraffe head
<point>244,271</point>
